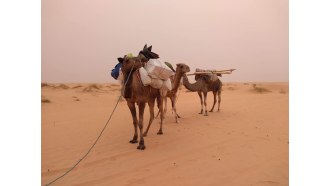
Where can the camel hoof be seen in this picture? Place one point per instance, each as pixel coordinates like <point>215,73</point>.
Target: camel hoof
<point>141,147</point>
<point>178,116</point>
<point>211,111</point>
<point>144,134</point>
<point>160,133</point>
<point>133,141</point>
<point>205,114</point>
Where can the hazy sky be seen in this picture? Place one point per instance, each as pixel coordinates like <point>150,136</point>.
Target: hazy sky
<point>81,39</point>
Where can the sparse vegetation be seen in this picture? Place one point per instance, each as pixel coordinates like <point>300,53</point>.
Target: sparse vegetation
<point>259,89</point>
<point>63,86</point>
<point>231,88</point>
<point>45,100</point>
<point>282,91</point>
<point>78,86</point>
<point>92,87</point>
<point>44,85</point>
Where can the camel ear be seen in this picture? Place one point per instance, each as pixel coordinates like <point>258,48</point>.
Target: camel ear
<point>149,48</point>
<point>120,59</point>
<point>145,46</point>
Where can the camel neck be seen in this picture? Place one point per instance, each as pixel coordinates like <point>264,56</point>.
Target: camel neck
<point>177,79</point>
<point>191,86</point>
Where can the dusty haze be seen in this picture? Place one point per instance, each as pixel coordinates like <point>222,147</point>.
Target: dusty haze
<point>81,39</point>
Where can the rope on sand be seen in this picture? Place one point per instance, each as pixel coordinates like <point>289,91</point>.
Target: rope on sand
<point>89,150</point>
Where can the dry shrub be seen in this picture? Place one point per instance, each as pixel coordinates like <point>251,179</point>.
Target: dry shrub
<point>78,86</point>
<point>259,89</point>
<point>45,100</point>
<point>44,85</point>
<point>63,86</point>
<point>92,87</point>
<point>231,88</point>
<point>282,91</point>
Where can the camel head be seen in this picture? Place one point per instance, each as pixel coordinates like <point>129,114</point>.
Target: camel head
<point>183,68</point>
<point>146,52</point>
<point>130,63</point>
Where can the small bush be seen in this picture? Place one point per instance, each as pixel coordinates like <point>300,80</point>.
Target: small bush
<point>92,87</point>
<point>44,85</point>
<point>259,89</point>
<point>63,86</point>
<point>45,100</point>
<point>78,86</point>
<point>282,91</point>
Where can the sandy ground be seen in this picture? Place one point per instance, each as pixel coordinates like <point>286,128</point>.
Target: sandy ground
<point>246,143</point>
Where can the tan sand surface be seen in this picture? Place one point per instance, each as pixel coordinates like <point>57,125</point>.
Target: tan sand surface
<point>246,143</point>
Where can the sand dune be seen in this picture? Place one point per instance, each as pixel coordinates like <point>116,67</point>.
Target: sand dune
<point>246,143</point>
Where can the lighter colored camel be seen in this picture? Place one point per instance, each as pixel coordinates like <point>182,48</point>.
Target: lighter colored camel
<point>203,85</point>
<point>181,69</point>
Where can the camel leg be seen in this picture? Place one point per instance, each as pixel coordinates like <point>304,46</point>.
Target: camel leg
<point>151,110</point>
<point>214,99</point>
<point>201,99</point>
<point>158,102</point>
<point>175,100</point>
<point>205,103</point>
<point>141,112</point>
<point>165,106</point>
<point>219,99</point>
<point>131,107</point>
<point>174,108</point>
<point>157,114</point>
<point>160,132</point>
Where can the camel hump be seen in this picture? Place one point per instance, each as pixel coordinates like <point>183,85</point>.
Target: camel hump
<point>206,77</point>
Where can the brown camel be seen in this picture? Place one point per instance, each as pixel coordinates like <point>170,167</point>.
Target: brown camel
<point>181,69</point>
<point>203,85</point>
<point>135,92</point>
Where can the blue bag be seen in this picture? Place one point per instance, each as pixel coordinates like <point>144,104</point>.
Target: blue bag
<point>115,71</point>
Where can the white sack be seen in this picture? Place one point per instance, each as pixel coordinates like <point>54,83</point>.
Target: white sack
<point>146,80</point>
<point>156,83</point>
<point>167,84</point>
<point>158,69</point>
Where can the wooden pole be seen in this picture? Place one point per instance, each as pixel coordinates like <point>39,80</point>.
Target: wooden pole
<point>218,72</point>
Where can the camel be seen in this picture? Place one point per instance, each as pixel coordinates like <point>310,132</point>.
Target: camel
<point>203,85</point>
<point>135,92</point>
<point>181,69</point>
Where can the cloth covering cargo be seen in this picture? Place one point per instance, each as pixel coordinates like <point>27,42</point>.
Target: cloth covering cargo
<point>156,68</point>
<point>156,74</point>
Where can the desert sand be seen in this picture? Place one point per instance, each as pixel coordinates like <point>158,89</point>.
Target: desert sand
<point>246,143</point>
